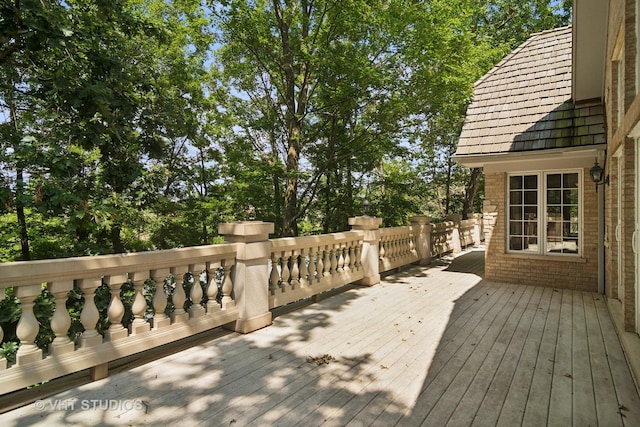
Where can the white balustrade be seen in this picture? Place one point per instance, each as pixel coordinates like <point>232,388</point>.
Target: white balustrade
<point>160,300</point>
<point>299,268</point>
<point>139,307</point>
<point>61,320</point>
<point>27,328</point>
<point>116,308</point>
<point>103,338</point>
<point>90,316</point>
<point>212,288</point>
<point>227,287</point>
<point>196,294</point>
<point>308,266</point>
<point>179,297</point>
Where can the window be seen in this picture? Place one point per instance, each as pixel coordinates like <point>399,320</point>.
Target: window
<point>544,213</point>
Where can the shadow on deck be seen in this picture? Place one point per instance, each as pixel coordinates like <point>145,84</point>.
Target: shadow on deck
<point>427,346</point>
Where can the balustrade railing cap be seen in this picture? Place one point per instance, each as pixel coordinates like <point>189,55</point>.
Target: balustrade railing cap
<point>454,217</point>
<point>420,219</point>
<point>365,222</point>
<point>246,230</point>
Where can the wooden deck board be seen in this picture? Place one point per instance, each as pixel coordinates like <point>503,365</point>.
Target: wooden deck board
<point>605,393</point>
<point>426,346</point>
<point>626,392</point>
<point>537,408</point>
<point>560,402</point>
<point>498,388</point>
<point>584,404</point>
<point>512,411</point>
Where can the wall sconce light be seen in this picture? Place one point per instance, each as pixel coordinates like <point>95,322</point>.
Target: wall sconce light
<point>597,175</point>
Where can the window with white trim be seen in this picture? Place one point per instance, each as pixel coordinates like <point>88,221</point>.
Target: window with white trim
<point>544,213</point>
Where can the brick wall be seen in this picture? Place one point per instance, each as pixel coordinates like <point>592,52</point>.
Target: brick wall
<point>540,270</point>
<point>621,42</point>
<point>611,214</point>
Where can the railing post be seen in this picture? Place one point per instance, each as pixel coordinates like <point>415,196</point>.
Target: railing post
<point>251,273</point>
<point>456,244</point>
<point>477,229</point>
<point>423,238</point>
<point>370,255</point>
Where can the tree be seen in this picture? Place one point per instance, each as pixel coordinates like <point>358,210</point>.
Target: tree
<point>108,87</point>
<point>339,84</point>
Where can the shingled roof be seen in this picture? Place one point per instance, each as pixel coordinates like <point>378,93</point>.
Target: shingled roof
<point>524,103</point>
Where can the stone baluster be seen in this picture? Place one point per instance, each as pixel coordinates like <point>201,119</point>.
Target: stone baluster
<point>27,328</point>
<point>61,320</point>
<point>227,285</point>
<point>196,294</point>
<point>285,275</point>
<point>179,297</point>
<point>212,289</point>
<point>90,314</point>
<point>348,259</point>
<point>357,252</point>
<point>382,250</point>
<point>334,260</point>
<point>312,264</point>
<point>303,268</point>
<point>139,306</point>
<point>414,244</point>
<point>160,319</point>
<point>320,263</point>
<point>326,262</point>
<point>274,277</point>
<point>395,248</point>
<point>340,256</point>
<point>295,269</point>
<point>115,311</point>
<point>406,245</point>
<point>3,361</point>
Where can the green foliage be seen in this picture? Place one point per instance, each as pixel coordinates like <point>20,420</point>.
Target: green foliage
<point>134,125</point>
<point>8,350</point>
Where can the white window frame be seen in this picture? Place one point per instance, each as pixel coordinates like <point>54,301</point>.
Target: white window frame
<point>542,220</point>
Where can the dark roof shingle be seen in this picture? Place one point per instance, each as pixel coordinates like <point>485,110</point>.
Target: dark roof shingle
<point>524,102</point>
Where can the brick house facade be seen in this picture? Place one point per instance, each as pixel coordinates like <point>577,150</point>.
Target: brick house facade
<point>578,107</point>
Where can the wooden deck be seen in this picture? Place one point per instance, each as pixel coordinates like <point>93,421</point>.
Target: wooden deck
<point>429,346</point>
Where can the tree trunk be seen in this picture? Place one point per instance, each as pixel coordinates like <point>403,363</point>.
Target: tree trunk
<point>21,217</point>
<point>471,192</point>
<point>296,78</point>
<point>291,193</point>
<point>20,214</point>
<point>447,197</point>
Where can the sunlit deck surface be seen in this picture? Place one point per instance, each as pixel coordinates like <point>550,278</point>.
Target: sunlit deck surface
<point>428,346</point>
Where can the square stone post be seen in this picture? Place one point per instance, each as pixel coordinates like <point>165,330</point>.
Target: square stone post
<point>456,244</point>
<point>423,238</point>
<point>370,257</point>
<point>251,273</point>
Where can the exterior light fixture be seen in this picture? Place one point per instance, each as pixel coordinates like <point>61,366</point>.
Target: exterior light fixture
<point>597,175</point>
<point>366,207</point>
